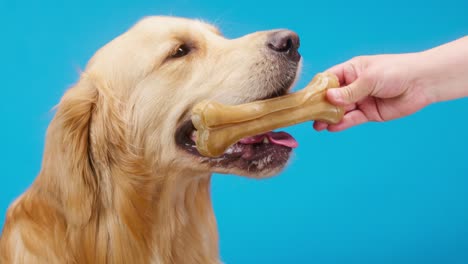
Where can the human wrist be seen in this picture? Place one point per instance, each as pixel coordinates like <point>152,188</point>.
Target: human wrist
<point>422,80</point>
<point>442,72</point>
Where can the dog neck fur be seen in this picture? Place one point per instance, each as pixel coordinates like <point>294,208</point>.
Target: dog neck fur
<point>101,197</point>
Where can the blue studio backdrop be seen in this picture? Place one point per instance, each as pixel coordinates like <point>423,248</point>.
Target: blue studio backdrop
<point>393,192</point>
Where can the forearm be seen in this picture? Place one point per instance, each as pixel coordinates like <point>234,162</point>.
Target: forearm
<point>443,71</point>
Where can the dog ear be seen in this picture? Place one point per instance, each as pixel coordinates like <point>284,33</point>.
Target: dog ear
<point>67,159</point>
<point>87,155</point>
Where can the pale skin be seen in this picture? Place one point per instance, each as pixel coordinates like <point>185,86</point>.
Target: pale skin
<point>385,87</point>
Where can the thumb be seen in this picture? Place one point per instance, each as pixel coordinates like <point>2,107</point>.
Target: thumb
<point>349,94</point>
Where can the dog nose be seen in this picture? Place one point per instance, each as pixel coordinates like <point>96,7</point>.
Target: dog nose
<point>285,42</point>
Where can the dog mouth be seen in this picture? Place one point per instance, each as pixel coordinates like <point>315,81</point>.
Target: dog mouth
<point>264,152</point>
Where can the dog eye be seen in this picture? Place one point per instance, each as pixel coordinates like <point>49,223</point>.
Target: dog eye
<point>181,51</point>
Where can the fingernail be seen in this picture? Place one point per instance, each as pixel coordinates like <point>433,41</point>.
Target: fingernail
<point>335,94</point>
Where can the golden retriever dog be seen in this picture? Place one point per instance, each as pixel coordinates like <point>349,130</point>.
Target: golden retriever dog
<point>121,180</point>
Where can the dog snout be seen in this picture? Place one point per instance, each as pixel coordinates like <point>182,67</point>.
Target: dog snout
<point>285,42</point>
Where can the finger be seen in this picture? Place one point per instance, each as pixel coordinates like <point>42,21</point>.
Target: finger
<point>347,72</point>
<point>351,119</point>
<point>319,125</point>
<point>338,70</point>
<point>349,107</point>
<point>350,94</point>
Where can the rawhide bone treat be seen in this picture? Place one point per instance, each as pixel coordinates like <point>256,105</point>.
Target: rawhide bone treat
<point>219,126</point>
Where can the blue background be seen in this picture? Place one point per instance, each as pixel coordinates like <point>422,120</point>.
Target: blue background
<point>393,192</point>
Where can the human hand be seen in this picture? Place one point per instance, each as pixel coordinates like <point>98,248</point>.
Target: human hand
<point>385,87</point>
<point>376,88</point>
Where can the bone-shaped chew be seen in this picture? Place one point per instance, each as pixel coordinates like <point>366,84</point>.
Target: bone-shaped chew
<point>220,126</point>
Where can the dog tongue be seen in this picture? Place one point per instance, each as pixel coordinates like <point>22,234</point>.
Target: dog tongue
<point>277,138</point>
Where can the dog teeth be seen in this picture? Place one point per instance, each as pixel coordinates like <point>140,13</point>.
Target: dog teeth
<point>266,140</point>
<point>229,150</point>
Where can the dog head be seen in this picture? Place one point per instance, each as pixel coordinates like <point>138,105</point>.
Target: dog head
<point>191,62</point>
<point>137,93</point>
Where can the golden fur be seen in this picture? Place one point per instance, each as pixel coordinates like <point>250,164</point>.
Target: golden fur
<point>114,187</point>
